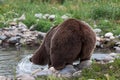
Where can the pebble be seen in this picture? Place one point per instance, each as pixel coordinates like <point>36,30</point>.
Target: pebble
<point>97,30</point>
<point>45,16</point>
<point>109,34</point>
<point>38,15</point>
<point>25,77</point>
<point>15,39</point>
<point>51,17</point>
<point>3,37</point>
<point>4,78</point>
<point>117,49</point>
<point>64,17</point>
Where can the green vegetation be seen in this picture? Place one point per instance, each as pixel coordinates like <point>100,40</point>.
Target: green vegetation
<point>104,14</point>
<point>108,71</point>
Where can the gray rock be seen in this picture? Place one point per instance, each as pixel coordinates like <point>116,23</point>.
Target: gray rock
<point>97,30</point>
<point>25,77</point>
<point>4,78</point>
<point>38,15</point>
<point>117,44</point>
<point>14,39</point>
<point>66,72</point>
<point>64,17</point>
<point>108,35</point>
<point>117,49</point>
<point>0,42</point>
<point>45,16</point>
<point>51,17</point>
<point>3,37</point>
<point>32,28</point>
<point>22,25</point>
<point>77,74</point>
<point>21,18</point>
<point>41,35</point>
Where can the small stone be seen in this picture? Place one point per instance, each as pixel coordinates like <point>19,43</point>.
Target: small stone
<point>14,39</point>
<point>22,25</point>
<point>4,78</point>
<point>64,17</point>
<point>84,64</point>
<point>25,77</point>
<point>12,23</point>
<point>32,28</point>
<point>108,35</point>
<point>45,16</point>
<point>114,55</point>
<point>38,15</point>
<point>51,17</point>
<point>117,49</point>
<point>3,37</point>
<point>97,30</point>
<point>41,35</point>
<point>112,37</point>
<point>0,42</point>
<point>117,43</point>
<point>77,74</point>
<point>21,18</point>
<point>108,59</point>
<point>45,72</point>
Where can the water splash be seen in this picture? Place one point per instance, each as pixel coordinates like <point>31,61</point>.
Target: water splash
<point>25,66</point>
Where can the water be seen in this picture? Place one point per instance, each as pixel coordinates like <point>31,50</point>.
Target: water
<point>17,62</point>
<point>10,58</point>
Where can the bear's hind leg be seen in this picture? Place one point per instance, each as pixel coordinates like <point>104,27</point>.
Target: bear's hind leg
<point>86,53</point>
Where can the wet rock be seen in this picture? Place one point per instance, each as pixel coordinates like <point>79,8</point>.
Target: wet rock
<point>77,74</point>
<point>3,37</point>
<point>66,72</point>
<point>45,72</point>
<point>108,59</point>
<point>114,55</point>
<point>25,77</point>
<point>14,39</point>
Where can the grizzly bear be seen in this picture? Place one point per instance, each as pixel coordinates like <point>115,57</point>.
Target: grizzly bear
<point>69,41</point>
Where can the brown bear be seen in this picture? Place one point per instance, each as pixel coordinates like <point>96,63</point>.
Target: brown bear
<point>65,43</point>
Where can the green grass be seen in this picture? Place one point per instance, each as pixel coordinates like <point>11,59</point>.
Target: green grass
<point>108,71</point>
<point>91,11</point>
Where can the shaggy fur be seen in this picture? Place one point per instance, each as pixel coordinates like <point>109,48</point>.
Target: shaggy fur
<point>65,43</point>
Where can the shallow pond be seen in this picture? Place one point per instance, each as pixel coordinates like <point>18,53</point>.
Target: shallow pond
<point>11,59</point>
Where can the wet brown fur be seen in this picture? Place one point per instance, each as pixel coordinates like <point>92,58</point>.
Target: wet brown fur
<point>65,43</point>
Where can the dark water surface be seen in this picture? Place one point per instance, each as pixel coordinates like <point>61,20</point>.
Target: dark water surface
<point>11,58</point>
